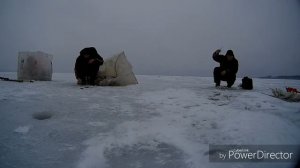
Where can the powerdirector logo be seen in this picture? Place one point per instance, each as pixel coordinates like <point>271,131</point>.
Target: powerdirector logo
<point>254,153</point>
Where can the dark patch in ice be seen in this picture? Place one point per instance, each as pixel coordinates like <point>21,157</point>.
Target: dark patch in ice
<point>42,115</point>
<point>191,106</point>
<point>247,108</point>
<point>214,125</point>
<point>221,99</point>
<point>212,98</point>
<point>217,94</point>
<point>145,155</point>
<point>204,124</point>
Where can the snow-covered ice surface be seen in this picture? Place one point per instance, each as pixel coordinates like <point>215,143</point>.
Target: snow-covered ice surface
<point>163,122</point>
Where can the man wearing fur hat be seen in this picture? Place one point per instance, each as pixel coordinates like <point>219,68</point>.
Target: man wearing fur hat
<point>227,69</point>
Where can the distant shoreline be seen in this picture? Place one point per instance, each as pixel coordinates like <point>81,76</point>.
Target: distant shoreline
<point>289,77</point>
<point>293,77</point>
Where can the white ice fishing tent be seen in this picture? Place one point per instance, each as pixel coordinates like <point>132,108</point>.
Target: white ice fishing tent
<point>116,71</point>
<point>35,66</point>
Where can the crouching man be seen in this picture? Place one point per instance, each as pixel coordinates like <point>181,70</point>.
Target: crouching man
<point>228,68</point>
<point>87,66</point>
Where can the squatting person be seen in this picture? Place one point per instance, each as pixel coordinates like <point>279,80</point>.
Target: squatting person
<point>87,66</point>
<point>227,69</point>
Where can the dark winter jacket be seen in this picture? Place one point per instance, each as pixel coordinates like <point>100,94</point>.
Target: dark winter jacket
<point>82,66</point>
<point>231,67</point>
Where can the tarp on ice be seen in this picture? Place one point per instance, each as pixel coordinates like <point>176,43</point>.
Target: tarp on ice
<point>287,96</point>
<point>35,66</point>
<point>116,71</point>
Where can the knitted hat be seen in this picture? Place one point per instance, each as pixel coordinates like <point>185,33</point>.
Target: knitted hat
<point>229,52</point>
<point>89,51</point>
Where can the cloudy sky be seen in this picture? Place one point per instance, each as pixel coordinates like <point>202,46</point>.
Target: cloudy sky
<point>164,37</point>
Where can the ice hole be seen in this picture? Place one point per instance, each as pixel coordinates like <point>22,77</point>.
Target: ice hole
<point>42,115</point>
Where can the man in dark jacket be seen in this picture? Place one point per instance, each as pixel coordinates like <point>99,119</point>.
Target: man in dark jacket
<point>87,66</point>
<point>228,68</point>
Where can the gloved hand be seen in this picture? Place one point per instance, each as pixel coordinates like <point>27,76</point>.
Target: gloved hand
<point>218,51</point>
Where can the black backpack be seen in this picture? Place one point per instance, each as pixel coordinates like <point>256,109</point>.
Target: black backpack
<point>247,83</point>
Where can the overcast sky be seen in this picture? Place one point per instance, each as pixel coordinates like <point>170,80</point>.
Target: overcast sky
<point>164,37</point>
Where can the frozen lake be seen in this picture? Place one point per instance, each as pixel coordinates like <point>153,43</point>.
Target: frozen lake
<point>164,121</point>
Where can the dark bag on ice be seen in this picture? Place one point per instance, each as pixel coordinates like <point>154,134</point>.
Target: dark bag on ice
<point>247,83</point>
